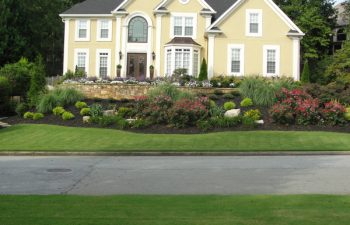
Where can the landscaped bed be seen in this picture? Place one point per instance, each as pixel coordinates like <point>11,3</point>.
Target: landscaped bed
<point>175,210</point>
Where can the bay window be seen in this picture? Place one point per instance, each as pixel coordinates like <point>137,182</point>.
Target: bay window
<point>182,58</point>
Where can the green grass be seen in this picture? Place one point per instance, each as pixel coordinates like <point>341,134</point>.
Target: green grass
<point>56,138</point>
<point>175,210</point>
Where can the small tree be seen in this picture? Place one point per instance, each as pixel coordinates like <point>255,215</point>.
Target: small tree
<point>305,76</point>
<point>203,75</point>
<point>38,80</point>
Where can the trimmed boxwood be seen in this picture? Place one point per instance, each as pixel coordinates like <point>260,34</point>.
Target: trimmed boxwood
<point>68,116</point>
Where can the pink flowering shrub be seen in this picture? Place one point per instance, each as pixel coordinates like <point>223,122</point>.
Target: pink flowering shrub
<point>333,113</point>
<point>156,110</point>
<point>186,112</point>
<point>296,106</point>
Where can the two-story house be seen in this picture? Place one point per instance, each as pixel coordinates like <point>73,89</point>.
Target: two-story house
<point>236,37</point>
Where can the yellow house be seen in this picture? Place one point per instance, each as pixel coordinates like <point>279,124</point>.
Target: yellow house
<point>236,37</point>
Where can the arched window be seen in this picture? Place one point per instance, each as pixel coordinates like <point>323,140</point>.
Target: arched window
<point>138,30</point>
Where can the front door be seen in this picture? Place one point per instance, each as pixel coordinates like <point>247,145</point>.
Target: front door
<point>137,66</point>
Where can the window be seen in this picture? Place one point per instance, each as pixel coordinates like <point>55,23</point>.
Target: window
<point>254,22</point>
<point>138,30</point>
<point>103,63</point>
<point>271,60</point>
<point>183,25</point>
<point>235,64</point>
<point>182,58</point>
<point>82,30</point>
<point>104,30</point>
<point>81,59</point>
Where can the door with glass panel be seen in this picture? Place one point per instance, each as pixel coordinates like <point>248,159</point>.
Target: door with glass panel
<point>137,66</point>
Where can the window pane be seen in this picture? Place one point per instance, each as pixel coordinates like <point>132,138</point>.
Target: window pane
<point>82,24</point>
<point>103,64</point>
<point>188,31</point>
<point>236,60</point>
<point>81,64</point>
<point>271,61</point>
<point>138,30</point>
<point>169,72</point>
<point>195,63</point>
<point>82,33</point>
<point>186,61</point>
<point>253,22</point>
<point>178,31</point>
<point>104,33</point>
<point>178,60</point>
<point>254,28</point>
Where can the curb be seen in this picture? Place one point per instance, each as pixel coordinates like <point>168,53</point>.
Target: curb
<point>204,154</point>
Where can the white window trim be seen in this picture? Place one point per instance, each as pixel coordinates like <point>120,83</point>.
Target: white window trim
<point>77,30</point>
<point>260,27</point>
<point>173,48</point>
<point>110,30</point>
<point>278,60</point>
<point>229,59</point>
<point>98,51</point>
<point>87,63</point>
<point>183,15</point>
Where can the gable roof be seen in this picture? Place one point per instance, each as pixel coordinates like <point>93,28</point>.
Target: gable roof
<point>107,6</point>
<point>94,7</point>
<point>271,4</point>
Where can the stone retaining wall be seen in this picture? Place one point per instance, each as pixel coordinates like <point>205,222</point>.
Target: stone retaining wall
<point>129,91</point>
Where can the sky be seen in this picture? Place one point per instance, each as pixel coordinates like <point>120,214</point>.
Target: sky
<point>338,1</point>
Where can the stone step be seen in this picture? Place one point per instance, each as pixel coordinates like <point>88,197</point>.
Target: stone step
<point>4,125</point>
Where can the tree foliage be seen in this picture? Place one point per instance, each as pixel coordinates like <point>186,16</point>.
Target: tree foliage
<point>305,76</point>
<point>340,65</point>
<point>316,18</point>
<point>38,80</point>
<point>30,28</point>
<point>203,75</point>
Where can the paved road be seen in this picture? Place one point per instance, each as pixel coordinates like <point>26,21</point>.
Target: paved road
<point>175,175</point>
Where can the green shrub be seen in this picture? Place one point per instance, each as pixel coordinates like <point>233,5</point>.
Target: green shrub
<point>124,112</point>
<point>259,89</point>
<point>216,111</point>
<point>21,108</point>
<point>212,104</point>
<point>28,115</point>
<point>5,89</point>
<point>305,75</point>
<point>254,114</point>
<point>80,105</point>
<point>224,122</point>
<point>246,102</point>
<point>58,111</point>
<point>347,114</point>
<point>213,97</point>
<point>229,105</point>
<point>96,110</point>
<point>122,124</point>
<point>38,80</point>
<point>47,103</point>
<point>18,75</point>
<point>229,96</point>
<point>105,121</point>
<point>203,75</point>
<point>68,116</point>
<point>85,112</point>
<point>68,96</point>
<point>38,116</point>
<point>165,90</point>
<point>204,125</point>
<point>140,124</point>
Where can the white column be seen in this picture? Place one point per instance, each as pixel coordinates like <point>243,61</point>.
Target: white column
<point>211,47</point>
<point>296,58</point>
<point>149,50</point>
<point>117,41</point>
<point>123,62</point>
<point>66,45</point>
<point>158,44</point>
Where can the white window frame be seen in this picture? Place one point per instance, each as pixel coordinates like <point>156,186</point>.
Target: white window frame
<point>173,51</point>
<point>183,15</point>
<point>99,26</point>
<point>260,22</point>
<point>278,60</point>
<point>87,63</point>
<point>77,22</point>
<point>229,59</point>
<point>98,52</point>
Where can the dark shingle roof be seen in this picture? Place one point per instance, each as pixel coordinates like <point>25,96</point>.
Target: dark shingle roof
<point>183,41</point>
<point>106,6</point>
<point>94,7</point>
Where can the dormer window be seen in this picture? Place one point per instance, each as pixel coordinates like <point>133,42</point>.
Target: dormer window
<point>183,25</point>
<point>254,22</point>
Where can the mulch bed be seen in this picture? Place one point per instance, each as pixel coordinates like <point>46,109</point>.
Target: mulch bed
<point>162,129</point>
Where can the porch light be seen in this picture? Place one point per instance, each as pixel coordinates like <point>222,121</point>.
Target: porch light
<point>153,55</point>
<point>120,55</point>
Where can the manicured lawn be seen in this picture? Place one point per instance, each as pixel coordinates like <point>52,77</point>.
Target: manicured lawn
<point>175,210</point>
<point>56,138</point>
